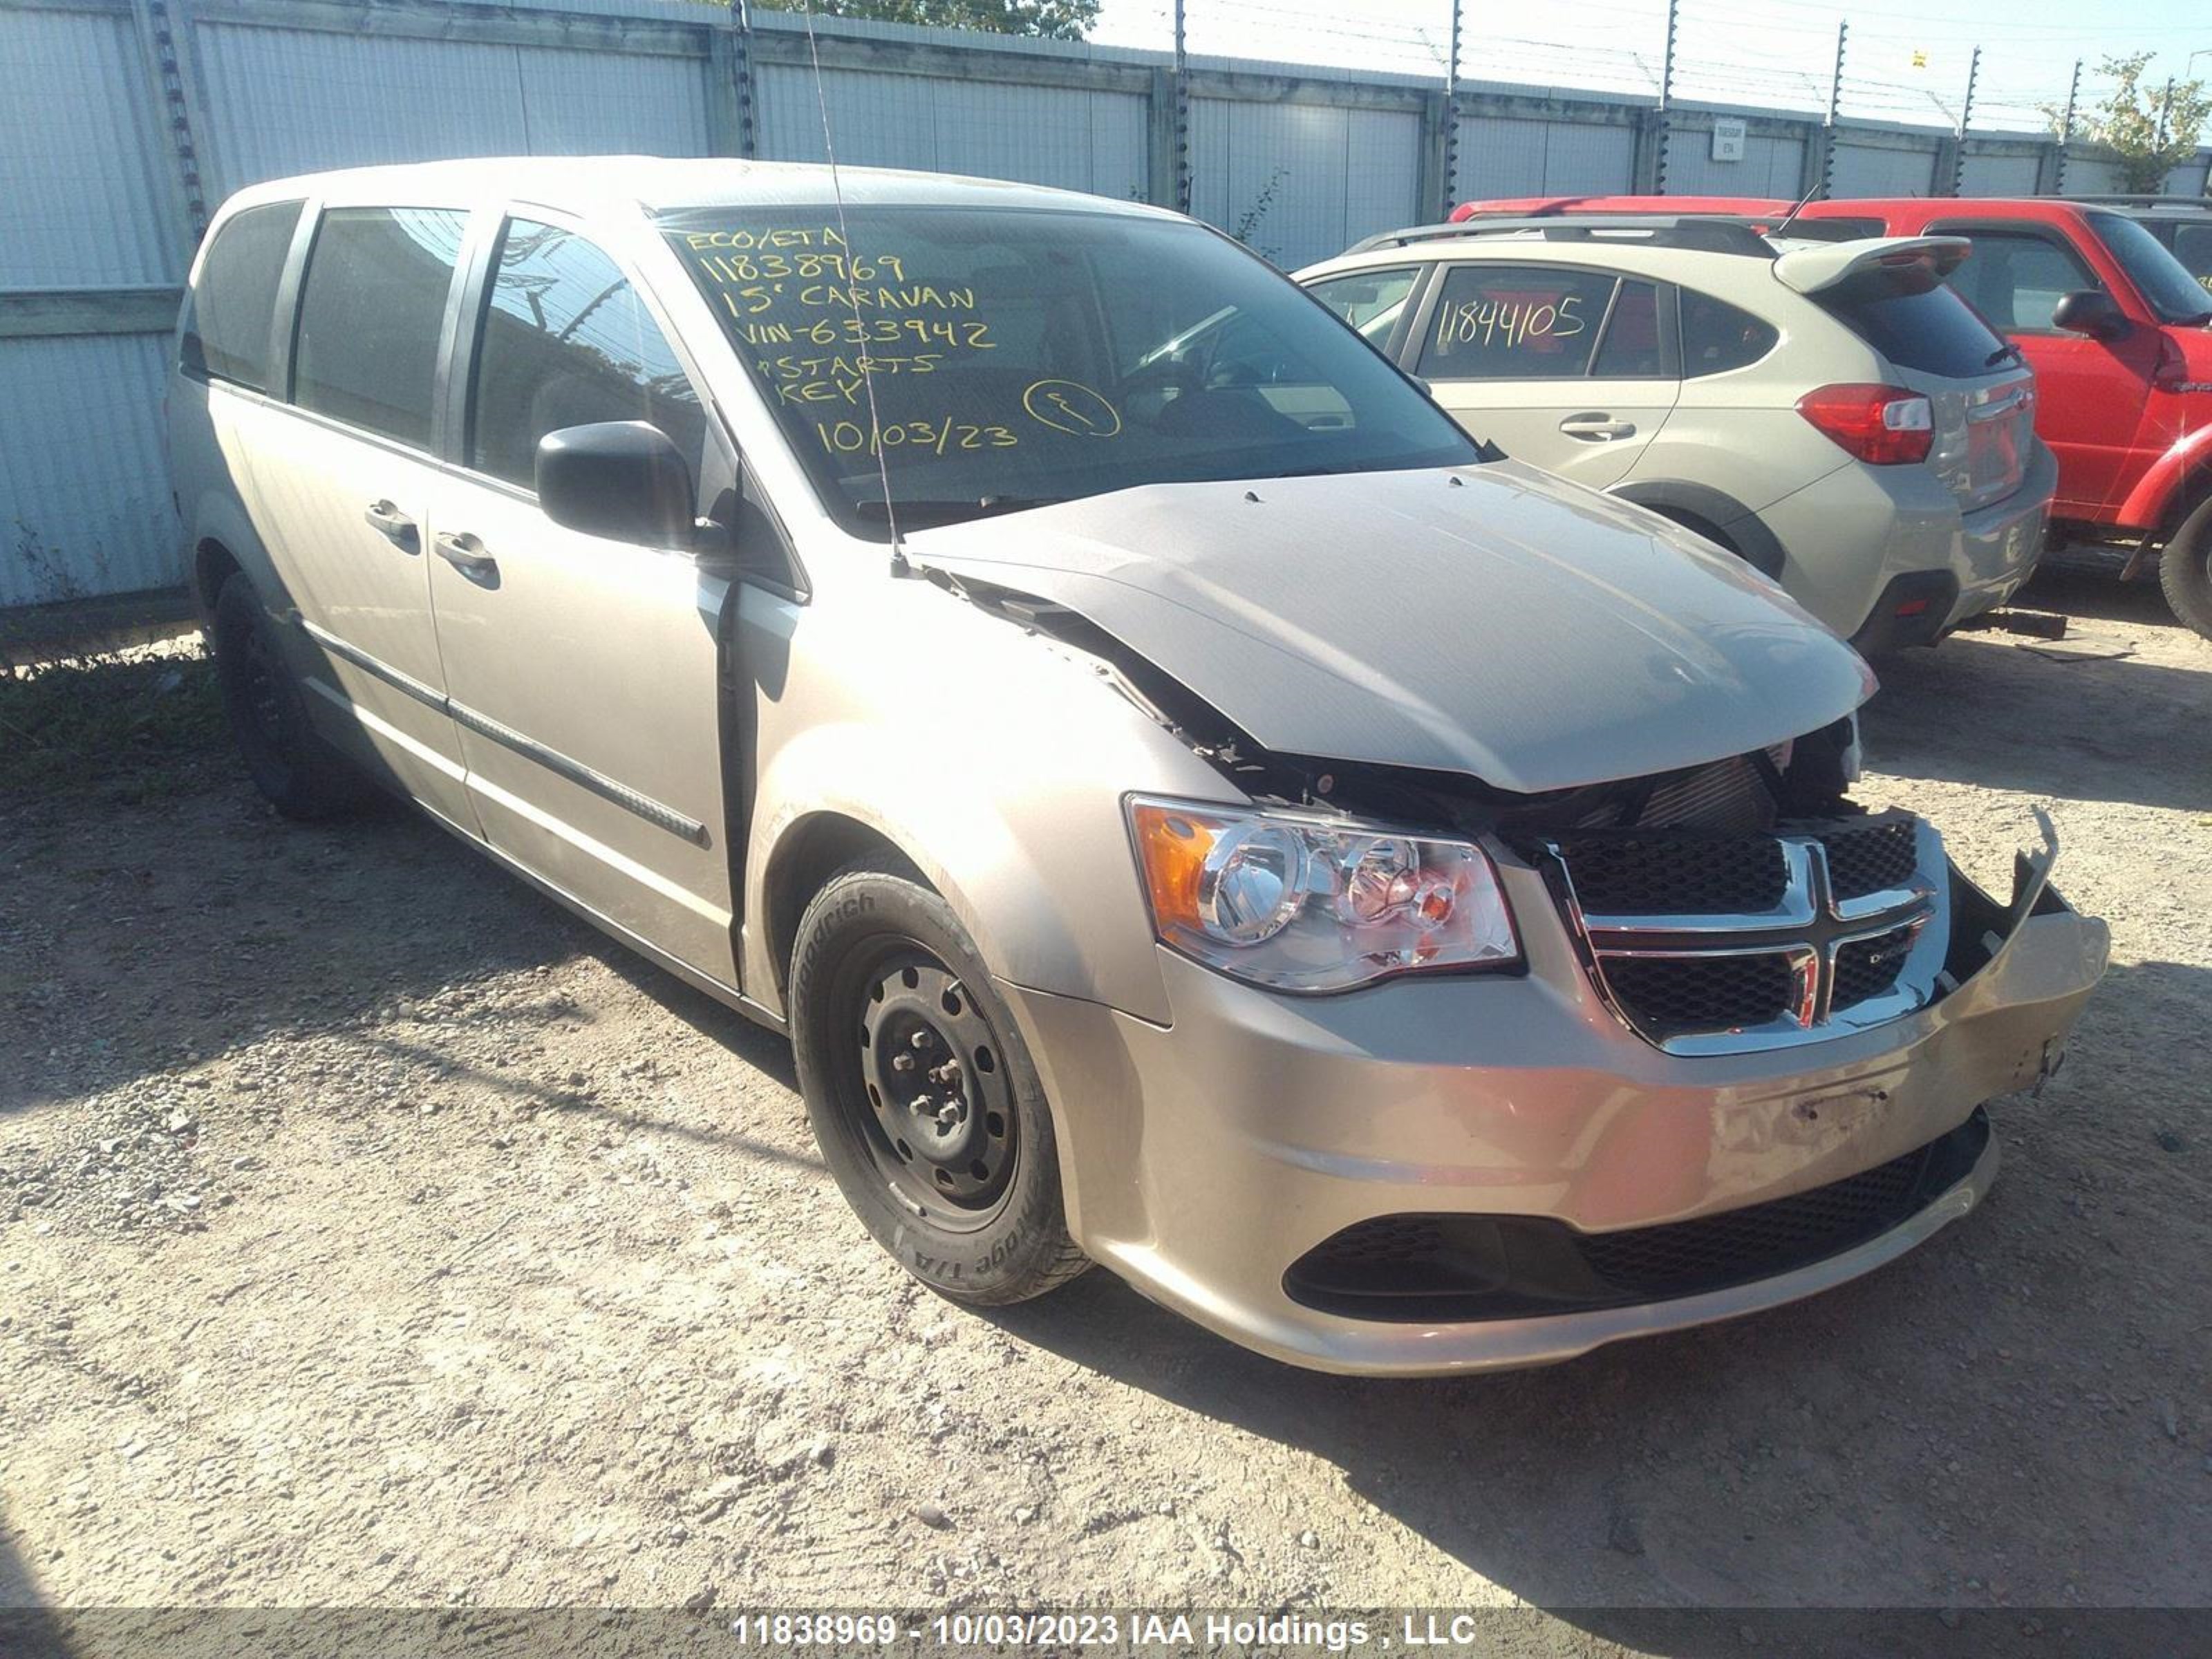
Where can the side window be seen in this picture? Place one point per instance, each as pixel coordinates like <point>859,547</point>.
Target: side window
<point>234,301</point>
<point>1370,301</point>
<point>370,309</point>
<point>1717,337</point>
<point>1515,323</point>
<point>1630,349</point>
<point>2015,280</point>
<point>566,342</point>
<point>2192,246</point>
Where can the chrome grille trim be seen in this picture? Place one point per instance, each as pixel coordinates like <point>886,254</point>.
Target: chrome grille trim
<point>1809,927</point>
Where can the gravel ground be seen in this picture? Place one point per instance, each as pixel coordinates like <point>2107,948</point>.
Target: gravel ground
<point>372,1232</point>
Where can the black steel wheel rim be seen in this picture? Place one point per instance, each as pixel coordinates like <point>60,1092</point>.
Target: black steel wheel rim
<point>929,1094</point>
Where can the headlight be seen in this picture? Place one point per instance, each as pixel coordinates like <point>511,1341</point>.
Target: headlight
<point>1300,903</point>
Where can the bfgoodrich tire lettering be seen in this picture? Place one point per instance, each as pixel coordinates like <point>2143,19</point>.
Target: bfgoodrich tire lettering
<point>302,775</point>
<point>923,1101</point>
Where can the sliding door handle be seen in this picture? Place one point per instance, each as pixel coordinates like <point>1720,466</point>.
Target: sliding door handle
<point>393,525</point>
<point>466,554</point>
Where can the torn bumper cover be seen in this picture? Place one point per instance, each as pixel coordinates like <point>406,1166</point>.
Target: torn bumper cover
<point>1439,1175</point>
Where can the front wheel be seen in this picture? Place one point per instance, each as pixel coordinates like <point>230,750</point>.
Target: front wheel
<point>925,1103</point>
<point>2184,570</point>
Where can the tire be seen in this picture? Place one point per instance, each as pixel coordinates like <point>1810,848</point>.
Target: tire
<point>2184,570</point>
<point>302,775</point>
<point>892,1006</point>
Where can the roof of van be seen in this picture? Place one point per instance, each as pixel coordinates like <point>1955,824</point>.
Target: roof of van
<point>659,182</point>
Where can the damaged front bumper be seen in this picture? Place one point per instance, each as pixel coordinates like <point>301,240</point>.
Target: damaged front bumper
<point>1519,1128</point>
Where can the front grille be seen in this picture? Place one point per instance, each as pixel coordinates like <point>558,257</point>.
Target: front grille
<point>1868,968</point>
<point>1631,875</point>
<point>1459,1268</point>
<point>1670,995</point>
<point>1705,943</point>
<point>1877,859</point>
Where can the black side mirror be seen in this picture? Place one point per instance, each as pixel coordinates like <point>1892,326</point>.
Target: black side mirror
<point>620,479</point>
<point>2089,311</point>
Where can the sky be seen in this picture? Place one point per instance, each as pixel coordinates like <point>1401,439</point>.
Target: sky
<point>1904,61</point>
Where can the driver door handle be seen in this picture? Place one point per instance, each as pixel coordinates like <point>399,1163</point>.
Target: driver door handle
<point>392,524</point>
<point>1597,427</point>
<point>466,554</point>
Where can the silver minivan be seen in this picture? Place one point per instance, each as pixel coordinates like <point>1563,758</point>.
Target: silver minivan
<point>1404,911</point>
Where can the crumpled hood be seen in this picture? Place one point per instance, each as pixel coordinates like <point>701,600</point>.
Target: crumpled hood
<point>1487,620</point>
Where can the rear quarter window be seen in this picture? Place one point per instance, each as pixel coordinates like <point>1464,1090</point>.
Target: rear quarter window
<point>1717,337</point>
<point>234,302</point>
<point>1930,330</point>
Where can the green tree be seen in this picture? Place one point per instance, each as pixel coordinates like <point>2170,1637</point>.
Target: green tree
<point>2149,131</point>
<point>1058,20</point>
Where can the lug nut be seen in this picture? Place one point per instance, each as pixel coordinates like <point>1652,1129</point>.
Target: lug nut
<point>920,1039</point>
<point>902,1063</point>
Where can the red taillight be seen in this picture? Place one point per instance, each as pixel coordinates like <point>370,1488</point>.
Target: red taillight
<point>1885,425</point>
<point>2171,373</point>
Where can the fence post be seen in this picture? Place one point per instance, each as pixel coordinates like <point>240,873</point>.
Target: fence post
<point>2054,170</point>
<point>164,39</point>
<point>1666,133</point>
<point>1820,172</point>
<point>1965,117</point>
<point>730,104</point>
<point>1451,112</point>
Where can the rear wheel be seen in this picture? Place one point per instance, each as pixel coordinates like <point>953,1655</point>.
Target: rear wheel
<point>289,763</point>
<point>922,1098</point>
<point>2185,569</point>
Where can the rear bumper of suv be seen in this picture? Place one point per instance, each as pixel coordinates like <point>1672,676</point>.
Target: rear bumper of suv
<point>1544,1180</point>
<point>1884,555</point>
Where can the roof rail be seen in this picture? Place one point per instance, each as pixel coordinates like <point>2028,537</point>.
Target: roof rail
<point>2143,199</point>
<point>1705,233</point>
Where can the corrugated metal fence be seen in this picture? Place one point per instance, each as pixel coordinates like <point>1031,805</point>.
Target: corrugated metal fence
<point>123,122</point>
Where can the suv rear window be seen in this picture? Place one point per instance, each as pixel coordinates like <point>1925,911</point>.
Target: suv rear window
<point>1931,330</point>
<point>234,300</point>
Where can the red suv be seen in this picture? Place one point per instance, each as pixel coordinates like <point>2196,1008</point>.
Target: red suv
<point>2115,330</point>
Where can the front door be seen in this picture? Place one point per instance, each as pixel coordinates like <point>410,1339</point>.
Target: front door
<point>582,671</point>
<point>1566,367</point>
<point>342,482</point>
<point>2091,396</point>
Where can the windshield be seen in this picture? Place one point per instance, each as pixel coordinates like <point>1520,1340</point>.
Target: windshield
<point>1020,357</point>
<point>2158,275</point>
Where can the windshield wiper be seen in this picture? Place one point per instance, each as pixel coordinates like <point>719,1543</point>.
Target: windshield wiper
<point>2007,349</point>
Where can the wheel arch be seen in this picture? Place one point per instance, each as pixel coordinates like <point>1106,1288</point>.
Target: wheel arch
<point>811,849</point>
<point>1713,514</point>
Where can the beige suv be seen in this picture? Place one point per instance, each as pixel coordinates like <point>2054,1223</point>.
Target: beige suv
<point>1405,912</point>
<point>1829,412</point>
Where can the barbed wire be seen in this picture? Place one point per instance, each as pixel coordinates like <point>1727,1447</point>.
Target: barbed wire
<point>1776,55</point>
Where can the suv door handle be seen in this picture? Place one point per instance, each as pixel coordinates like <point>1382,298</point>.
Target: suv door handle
<point>466,554</point>
<point>1597,429</point>
<point>392,524</point>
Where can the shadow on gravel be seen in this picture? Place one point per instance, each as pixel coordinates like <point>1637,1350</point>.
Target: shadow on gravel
<point>136,945</point>
<point>2045,719</point>
<point>2105,598</point>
